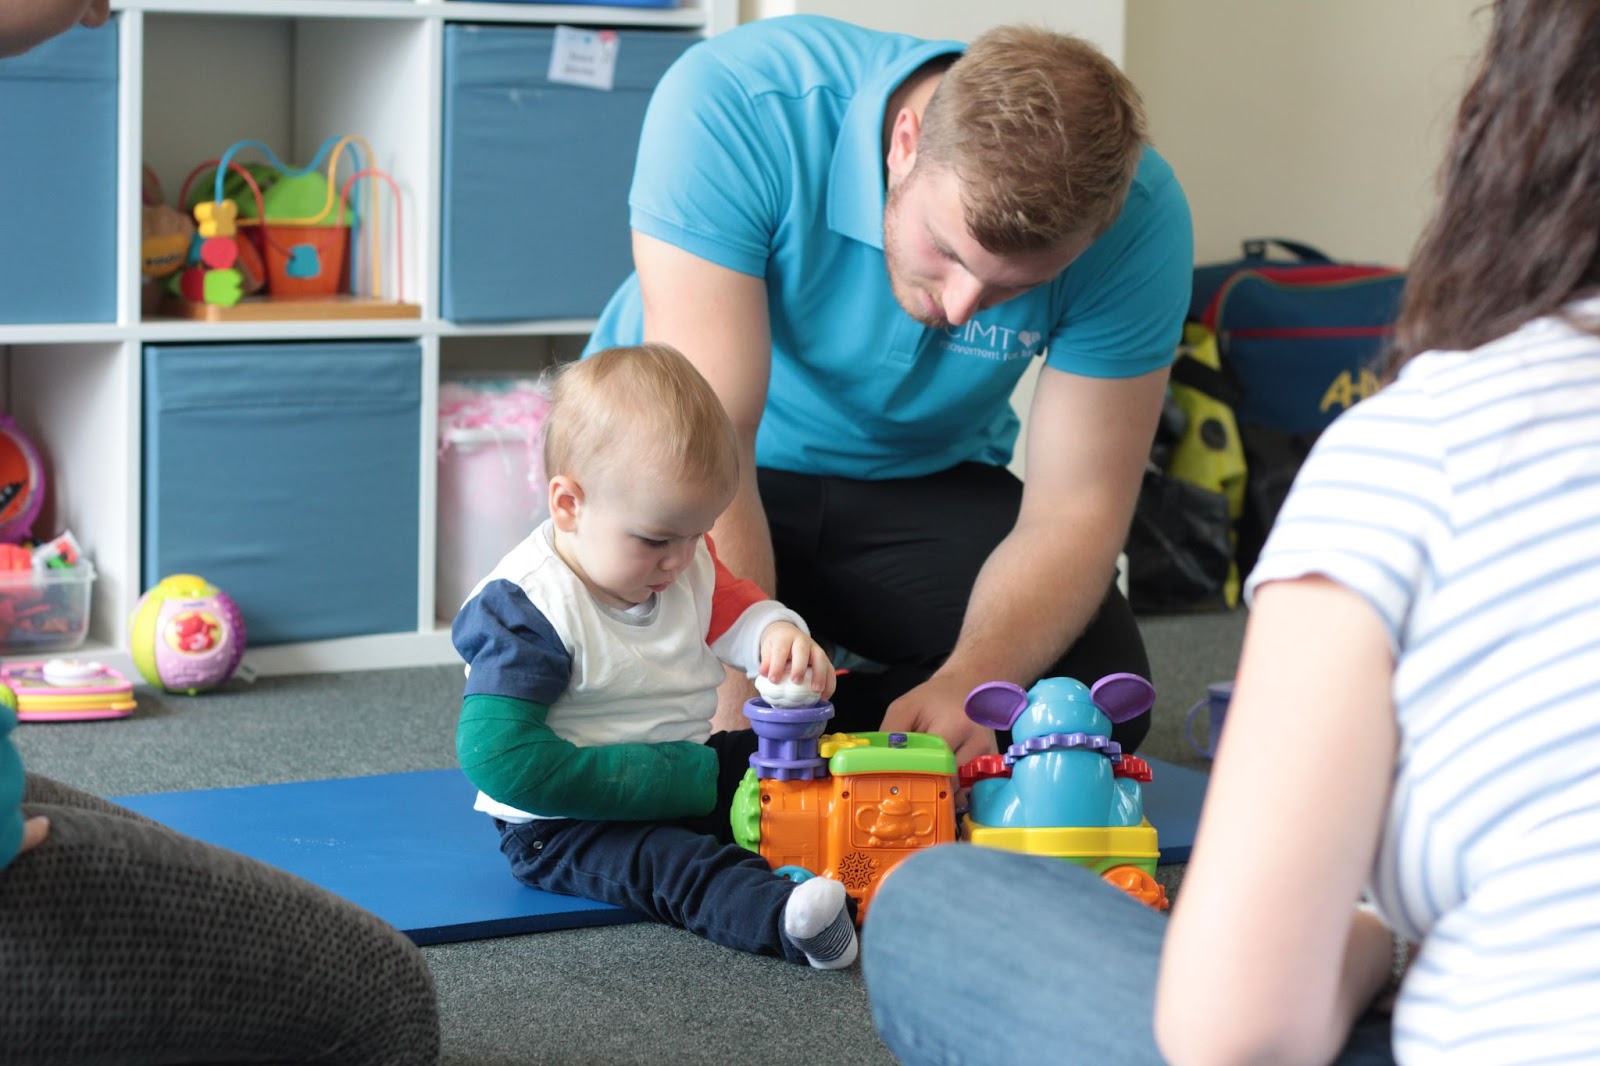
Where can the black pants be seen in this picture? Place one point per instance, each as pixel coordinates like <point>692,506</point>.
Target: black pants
<point>885,569</point>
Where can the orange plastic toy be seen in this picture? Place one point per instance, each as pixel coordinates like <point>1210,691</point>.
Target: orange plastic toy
<point>846,806</point>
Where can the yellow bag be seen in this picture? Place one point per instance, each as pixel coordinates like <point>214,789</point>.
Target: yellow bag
<point>1209,453</point>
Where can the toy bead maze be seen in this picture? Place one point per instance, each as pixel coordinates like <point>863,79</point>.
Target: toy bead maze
<point>295,244</point>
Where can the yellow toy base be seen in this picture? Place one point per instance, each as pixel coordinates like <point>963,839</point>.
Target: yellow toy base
<point>1133,845</point>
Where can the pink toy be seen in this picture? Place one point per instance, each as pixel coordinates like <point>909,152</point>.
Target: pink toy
<point>187,635</point>
<point>66,690</point>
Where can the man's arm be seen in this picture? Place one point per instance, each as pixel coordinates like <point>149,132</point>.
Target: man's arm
<point>1088,439</point>
<point>718,319</point>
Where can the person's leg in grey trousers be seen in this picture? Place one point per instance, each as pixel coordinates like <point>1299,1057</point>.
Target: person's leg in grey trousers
<point>123,941</point>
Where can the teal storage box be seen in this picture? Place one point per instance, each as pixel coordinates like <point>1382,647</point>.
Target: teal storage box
<point>58,180</point>
<point>287,476</point>
<point>536,174</point>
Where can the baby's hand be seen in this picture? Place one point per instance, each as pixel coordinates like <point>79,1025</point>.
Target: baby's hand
<point>792,661</point>
<point>34,830</point>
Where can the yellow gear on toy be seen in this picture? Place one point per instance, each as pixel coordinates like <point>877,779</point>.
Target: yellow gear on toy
<point>829,743</point>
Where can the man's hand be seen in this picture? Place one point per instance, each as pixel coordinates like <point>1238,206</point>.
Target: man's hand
<point>938,706</point>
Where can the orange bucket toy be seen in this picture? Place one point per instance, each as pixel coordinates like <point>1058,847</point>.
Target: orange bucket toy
<point>305,260</point>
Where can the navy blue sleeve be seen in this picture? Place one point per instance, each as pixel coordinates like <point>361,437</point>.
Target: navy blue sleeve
<point>511,647</point>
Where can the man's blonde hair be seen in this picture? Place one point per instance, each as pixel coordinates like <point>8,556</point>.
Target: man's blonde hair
<point>640,411</point>
<point>1044,133</point>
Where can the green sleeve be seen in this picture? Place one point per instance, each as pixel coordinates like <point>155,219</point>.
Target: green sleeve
<point>507,751</point>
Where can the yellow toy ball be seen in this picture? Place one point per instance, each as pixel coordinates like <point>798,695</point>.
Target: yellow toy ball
<point>186,635</point>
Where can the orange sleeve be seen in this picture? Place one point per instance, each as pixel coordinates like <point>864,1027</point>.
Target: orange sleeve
<point>730,596</point>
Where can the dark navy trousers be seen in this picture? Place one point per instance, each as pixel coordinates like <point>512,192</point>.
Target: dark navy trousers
<point>687,873</point>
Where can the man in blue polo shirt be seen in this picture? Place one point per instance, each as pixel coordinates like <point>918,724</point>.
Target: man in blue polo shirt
<point>863,240</point>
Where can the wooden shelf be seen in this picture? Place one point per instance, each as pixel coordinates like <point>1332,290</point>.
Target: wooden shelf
<point>291,309</point>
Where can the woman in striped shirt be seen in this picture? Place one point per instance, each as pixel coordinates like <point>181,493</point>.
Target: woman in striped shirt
<point>1416,716</point>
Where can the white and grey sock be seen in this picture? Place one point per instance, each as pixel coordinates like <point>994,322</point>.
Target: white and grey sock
<point>817,920</point>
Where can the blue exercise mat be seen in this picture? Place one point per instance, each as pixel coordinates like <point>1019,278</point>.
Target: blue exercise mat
<point>1172,801</point>
<point>409,847</point>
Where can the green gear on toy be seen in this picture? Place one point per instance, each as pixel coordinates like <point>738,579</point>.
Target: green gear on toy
<point>745,812</point>
<point>8,698</point>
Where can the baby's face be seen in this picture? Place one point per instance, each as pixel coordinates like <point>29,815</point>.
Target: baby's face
<point>635,535</point>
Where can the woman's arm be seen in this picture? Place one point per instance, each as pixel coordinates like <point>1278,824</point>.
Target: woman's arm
<point>1265,960</point>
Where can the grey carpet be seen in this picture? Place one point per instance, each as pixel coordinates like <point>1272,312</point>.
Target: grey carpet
<point>619,994</point>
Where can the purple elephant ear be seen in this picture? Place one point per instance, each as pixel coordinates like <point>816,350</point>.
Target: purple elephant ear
<point>996,704</point>
<point>1119,696</point>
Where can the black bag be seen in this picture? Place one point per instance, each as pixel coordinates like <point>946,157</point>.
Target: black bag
<point>1180,546</point>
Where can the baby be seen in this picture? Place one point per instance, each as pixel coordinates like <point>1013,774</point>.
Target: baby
<point>594,651</point>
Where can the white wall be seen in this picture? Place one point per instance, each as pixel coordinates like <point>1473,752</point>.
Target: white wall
<point>1314,119</point>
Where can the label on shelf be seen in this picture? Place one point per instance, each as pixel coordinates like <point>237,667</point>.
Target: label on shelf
<point>586,58</point>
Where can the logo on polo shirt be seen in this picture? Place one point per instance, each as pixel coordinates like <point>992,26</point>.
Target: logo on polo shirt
<point>1001,344</point>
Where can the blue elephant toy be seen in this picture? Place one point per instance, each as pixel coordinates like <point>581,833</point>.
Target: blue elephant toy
<point>1063,760</point>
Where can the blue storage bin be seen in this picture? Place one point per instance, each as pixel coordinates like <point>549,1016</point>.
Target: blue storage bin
<point>287,475</point>
<point>58,180</point>
<point>536,175</point>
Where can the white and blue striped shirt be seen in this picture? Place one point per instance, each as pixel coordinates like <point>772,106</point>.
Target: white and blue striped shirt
<point>1463,502</point>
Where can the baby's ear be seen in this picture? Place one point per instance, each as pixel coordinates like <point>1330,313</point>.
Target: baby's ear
<point>566,502</point>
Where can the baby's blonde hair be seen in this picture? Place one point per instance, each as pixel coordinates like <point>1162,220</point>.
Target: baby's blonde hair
<point>640,411</point>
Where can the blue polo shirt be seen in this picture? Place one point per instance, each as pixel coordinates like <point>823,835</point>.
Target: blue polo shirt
<point>762,151</point>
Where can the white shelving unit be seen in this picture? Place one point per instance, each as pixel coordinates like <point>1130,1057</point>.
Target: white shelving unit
<point>195,76</point>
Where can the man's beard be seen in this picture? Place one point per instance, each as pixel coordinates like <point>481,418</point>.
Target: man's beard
<point>907,295</point>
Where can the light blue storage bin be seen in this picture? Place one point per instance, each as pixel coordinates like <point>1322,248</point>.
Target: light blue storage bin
<point>58,180</point>
<point>536,175</point>
<point>287,476</point>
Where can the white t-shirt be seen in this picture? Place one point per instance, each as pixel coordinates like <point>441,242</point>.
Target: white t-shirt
<point>1463,502</point>
<point>608,675</point>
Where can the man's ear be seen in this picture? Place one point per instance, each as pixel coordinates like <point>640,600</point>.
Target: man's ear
<point>566,502</point>
<point>903,136</point>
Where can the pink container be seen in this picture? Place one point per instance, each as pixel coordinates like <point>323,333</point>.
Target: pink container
<point>488,503</point>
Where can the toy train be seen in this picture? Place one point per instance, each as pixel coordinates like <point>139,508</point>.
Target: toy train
<point>850,806</point>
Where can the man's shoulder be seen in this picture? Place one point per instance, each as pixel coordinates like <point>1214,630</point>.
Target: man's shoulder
<point>1154,182</point>
<point>796,54</point>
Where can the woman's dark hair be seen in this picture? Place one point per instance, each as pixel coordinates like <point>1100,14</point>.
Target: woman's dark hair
<point>1516,234</point>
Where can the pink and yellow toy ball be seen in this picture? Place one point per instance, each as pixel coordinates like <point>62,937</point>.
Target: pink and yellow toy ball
<point>187,635</point>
